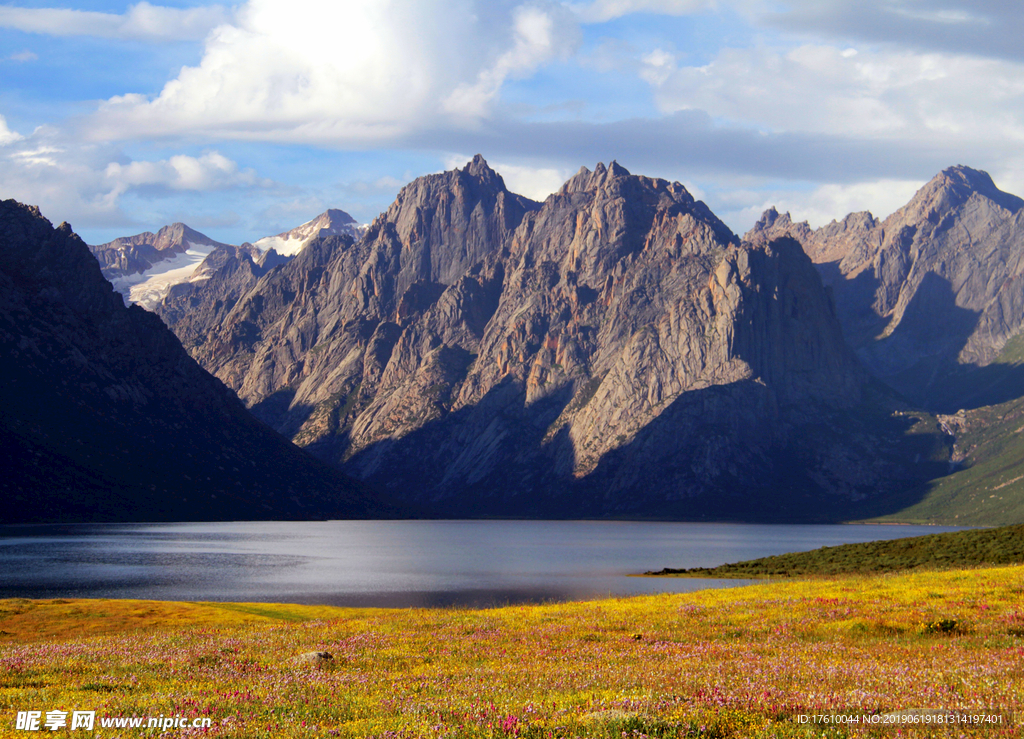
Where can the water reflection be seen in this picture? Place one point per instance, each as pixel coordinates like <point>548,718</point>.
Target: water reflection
<point>390,563</point>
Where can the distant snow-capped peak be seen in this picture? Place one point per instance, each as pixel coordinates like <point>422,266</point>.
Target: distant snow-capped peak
<point>332,222</point>
<point>144,267</point>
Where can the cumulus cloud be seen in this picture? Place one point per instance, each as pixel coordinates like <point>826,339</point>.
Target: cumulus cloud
<point>68,185</point>
<point>351,72</point>
<point>141,21</point>
<point>211,171</point>
<point>535,183</point>
<point>539,34</point>
<point>879,91</point>
<point>86,184</point>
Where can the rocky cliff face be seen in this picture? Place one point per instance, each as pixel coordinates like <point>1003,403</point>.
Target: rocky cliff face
<point>194,307</point>
<point>612,350</point>
<point>930,296</point>
<point>105,417</point>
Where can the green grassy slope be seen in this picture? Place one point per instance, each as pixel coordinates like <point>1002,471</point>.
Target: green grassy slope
<point>986,486</point>
<point>1000,546</point>
<point>989,487</point>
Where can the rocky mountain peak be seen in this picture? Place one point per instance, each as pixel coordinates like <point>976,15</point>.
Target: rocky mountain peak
<point>602,177</point>
<point>56,261</point>
<point>953,187</point>
<point>338,217</point>
<point>332,222</point>
<point>617,170</point>
<point>476,181</point>
<point>931,293</point>
<point>479,169</point>
<point>142,267</point>
<point>771,218</point>
<point>173,239</point>
<point>615,344</point>
<point>439,226</point>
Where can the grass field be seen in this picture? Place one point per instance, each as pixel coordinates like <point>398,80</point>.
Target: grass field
<point>972,548</point>
<point>741,662</point>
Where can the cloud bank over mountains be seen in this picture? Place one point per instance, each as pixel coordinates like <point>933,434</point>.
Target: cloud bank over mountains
<point>819,105</point>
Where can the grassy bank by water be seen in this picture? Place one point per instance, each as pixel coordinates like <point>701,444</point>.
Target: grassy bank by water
<point>974,548</point>
<point>741,662</point>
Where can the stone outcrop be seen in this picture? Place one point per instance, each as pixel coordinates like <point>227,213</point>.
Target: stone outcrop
<point>930,296</point>
<point>105,417</point>
<point>614,350</point>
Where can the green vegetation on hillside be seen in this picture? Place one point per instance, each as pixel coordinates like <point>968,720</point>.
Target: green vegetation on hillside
<point>957,549</point>
<point>988,487</point>
<point>984,485</point>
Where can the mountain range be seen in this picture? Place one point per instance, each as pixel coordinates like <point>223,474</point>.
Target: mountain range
<point>930,297</point>
<point>106,418</point>
<point>146,266</point>
<point>617,351</point>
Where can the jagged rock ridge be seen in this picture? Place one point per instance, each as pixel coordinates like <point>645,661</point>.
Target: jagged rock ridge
<point>105,417</point>
<point>614,350</point>
<point>934,290</point>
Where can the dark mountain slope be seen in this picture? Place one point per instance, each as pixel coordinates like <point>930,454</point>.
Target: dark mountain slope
<point>105,417</point>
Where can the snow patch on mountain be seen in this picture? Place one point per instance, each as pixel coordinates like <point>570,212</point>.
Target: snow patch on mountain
<point>333,222</point>
<point>150,287</point>
<point>175,255</point>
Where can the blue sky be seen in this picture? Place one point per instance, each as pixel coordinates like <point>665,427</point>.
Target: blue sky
<point>245,120</point>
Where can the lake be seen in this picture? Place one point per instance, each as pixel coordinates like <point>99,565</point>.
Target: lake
<point>391,563</point>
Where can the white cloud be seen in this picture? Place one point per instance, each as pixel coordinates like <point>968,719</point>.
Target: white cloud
<point>68,185</point>
<point>658,67</point>
<point>85,184</point>
<point>23,56</point>
<point>540,34</point>
<point>825,89</point>
<point>211,171</point>
<point>7,136</point>
<point>350,72</point>
<point>535,183</point>
<point>141,21</point>
<point>600,11</point>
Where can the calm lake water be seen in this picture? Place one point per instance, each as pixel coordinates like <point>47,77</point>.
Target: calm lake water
<point>391,563</point>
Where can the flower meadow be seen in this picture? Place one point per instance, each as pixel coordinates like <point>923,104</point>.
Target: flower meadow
<point>743,662</point>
